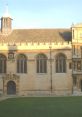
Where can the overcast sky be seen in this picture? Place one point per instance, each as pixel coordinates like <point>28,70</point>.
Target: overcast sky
<point>43,13</point>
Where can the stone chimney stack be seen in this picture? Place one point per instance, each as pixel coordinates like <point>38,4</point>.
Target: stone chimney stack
<point>6,22</point>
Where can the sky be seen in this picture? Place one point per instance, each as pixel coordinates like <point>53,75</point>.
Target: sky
<point>43,13</point>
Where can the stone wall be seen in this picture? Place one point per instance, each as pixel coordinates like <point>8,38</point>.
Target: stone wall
<point>33,83</point>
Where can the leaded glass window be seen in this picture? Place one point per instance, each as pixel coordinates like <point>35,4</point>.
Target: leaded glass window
<point>21,64</point>
<point>41,62</point>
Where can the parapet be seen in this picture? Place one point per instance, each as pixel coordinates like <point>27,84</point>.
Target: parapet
<point>35,45</point>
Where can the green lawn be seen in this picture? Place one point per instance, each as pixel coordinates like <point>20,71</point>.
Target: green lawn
<point>42,107</point>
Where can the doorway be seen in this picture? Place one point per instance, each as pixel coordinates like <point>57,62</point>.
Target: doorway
<point>11,88</point>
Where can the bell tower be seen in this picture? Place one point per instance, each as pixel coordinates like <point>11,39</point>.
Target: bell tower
<point>6,22</point>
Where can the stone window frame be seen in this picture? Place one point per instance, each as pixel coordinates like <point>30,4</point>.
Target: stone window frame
<point>21,63</point>
<point>41,63</point>
<point>3,63</point>
<point>61,66</point>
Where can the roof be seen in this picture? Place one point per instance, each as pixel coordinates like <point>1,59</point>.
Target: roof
<point>37,35</point>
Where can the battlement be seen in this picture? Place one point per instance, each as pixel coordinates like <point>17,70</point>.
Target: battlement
<point>77,41</point>
<point>34,46</point>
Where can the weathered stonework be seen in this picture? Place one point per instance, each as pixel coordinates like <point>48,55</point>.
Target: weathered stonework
<point>33,83</point>
<point>10,77</point>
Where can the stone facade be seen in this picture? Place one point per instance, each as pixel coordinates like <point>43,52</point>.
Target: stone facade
<point>77,58</point>
<point>50,43</point>
<point>32,82</point>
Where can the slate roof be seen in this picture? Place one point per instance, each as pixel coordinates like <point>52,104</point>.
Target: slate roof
<point>37,35</point>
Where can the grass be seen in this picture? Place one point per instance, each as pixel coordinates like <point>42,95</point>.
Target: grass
<point>42,107</point>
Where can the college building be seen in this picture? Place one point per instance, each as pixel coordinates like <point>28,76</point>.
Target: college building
<point>40,62</point>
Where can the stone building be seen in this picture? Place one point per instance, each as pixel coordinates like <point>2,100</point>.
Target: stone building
<point>40,61</point>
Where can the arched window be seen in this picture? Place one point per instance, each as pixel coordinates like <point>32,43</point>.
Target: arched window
<point>21,64</point>
<point>60,63</point>
<point>2,64</point>
<point>41,62</point>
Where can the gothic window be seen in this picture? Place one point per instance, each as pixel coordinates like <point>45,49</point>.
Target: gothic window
<point>21,64</point>
<point>41,62</point>
<point>78,65</point>
<point>61,63</point>
<point>74,80</point>
<point>2,64</point>
<point>74,65</point>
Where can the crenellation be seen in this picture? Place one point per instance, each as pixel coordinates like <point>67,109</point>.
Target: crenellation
<point>35,45</point>
<point>38,43</point>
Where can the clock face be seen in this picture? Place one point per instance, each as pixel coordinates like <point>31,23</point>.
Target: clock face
<point>10,55</point>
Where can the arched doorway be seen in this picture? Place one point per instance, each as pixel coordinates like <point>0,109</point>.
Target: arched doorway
<point>11,88</point>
